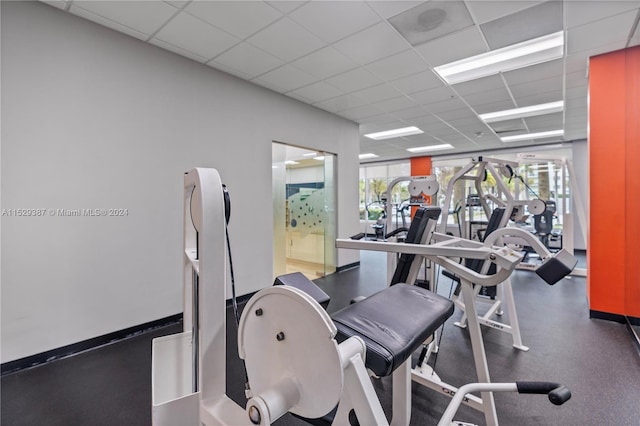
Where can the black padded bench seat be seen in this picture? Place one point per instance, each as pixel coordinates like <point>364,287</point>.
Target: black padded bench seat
<point>393,324</point>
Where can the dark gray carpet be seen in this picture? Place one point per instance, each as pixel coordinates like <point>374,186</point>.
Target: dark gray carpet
<point>596,359</point>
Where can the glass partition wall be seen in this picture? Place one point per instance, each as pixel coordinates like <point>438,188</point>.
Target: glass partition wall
<point>304,211</point>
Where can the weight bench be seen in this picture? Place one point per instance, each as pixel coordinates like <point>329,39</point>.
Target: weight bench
<point>393,323</point>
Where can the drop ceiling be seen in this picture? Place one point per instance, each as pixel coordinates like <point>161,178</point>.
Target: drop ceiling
<point>372,61</point>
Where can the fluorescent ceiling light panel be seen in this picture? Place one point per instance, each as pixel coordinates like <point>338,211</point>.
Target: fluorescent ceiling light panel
<point>291,162</point>
<point>309,154</point>
<point>519,55</point>
<point>430,148</point>
<point>530,136</point>
<point>395,133</point>
<point>367,156</point>
<point>319,158</point>
<point>528,111</point>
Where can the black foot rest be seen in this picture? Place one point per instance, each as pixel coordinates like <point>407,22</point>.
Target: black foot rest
<point>393,324</point>
<point>299,281</point>
<point>554,268</point>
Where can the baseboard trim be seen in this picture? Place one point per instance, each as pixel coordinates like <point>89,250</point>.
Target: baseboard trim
<point>85,345</point>
<point>74,348</point>
<point>607,316</point>
<point>347,266</point>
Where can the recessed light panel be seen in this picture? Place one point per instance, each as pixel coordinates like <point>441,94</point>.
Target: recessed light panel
<point>528,111</point>
<point>520,55</point>
<point>430,148</point>
<point>395,133</point>
<point>531,136</point>
<point>367,156</point>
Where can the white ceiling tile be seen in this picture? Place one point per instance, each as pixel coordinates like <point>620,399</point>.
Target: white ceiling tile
<point>194,35</point>
<point>539,98</point>
<point>334,20</point>
<point>361,112</point>
<point>248,59</point>
<point>107,23</point>
<point>469,120</point>
<point>410,113</point>
<point>318,92</point>
<point>536,21</point>
<point>324,63</point>
<point>142,16</point>
<point>286,6</point>
<point>488,97</point>
<point>178,3</point>
<point>341,103</point>
<point>583,12</point>
<point>417,82</point>
<point>381,118</point>
<point>480,85</point>
<point>494,106</point>
<point>378,93</point>
<point>580,61</point>
<point>600,33</point>
<point>376,42</point>
<point>455,114</point>
<point>179,51</point>
<point>535,72</point>
<point>433,95</point>
<point>286,40</point>
<point>287,77</point>
<point>635,39</point>
<point>483,11</point>
<point>576,103</point>
<point>353,80</point>
<point>536,86</point>
<point>461,44</point>
<point>507,126</point>
<point>240,18</point>
<point>396,104</point>
<point>545,122</point>
<point>387,9</point>
<point>60,4</point>
<point>577,63</point>
<point>445,105</point>
<point>398,65</point>
<point>575,79</point>
<point>380,126</point>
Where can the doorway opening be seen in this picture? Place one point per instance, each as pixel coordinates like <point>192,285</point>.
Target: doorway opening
<point>304,213</point>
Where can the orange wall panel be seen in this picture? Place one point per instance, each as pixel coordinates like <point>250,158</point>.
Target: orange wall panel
<point>420,166</point>
<point>632,154</point>
<point>614,167</point>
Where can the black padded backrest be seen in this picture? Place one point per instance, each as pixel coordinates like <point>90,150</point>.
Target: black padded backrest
<point>494,224</point>
<point>414,236</point>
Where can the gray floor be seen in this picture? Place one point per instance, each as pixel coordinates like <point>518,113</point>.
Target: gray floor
<point>596,359</point>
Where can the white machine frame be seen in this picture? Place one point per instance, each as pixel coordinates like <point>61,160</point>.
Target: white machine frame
<point>499,169</point>
<point>189,368</point>
<point>443,252</point>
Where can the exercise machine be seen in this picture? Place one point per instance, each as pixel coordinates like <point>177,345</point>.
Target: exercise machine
<point>443,251</point>
<point>280,329</point>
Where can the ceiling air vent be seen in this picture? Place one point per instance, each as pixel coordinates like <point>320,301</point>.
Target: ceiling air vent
<point>431,20</point>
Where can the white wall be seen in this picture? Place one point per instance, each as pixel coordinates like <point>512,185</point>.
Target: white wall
<point>94,119</point>
<point>580,158</point>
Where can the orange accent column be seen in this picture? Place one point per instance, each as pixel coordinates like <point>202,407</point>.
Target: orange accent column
<point>420,166</point>
<point>614,188</point>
